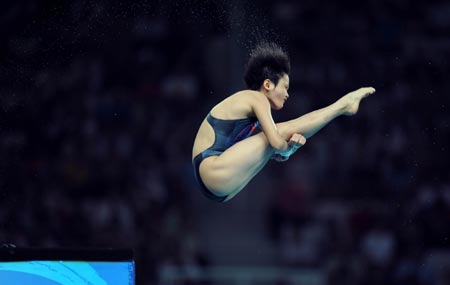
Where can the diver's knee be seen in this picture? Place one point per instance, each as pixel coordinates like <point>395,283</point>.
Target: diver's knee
<point>285,130</point>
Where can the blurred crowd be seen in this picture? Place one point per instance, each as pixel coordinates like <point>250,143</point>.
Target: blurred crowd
<point>98,116</point>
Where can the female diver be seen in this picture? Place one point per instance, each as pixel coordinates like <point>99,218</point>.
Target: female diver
<point>238,136</point>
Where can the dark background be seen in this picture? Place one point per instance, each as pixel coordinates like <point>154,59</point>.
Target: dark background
<point>100,103</point>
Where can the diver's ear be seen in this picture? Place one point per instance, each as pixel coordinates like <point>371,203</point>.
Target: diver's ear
<point>267,85</point>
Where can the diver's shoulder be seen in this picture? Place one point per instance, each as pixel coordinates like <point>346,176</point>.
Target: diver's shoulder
<point>249,94</point>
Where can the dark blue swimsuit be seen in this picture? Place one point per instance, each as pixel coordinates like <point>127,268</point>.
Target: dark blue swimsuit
<point>227,133</point>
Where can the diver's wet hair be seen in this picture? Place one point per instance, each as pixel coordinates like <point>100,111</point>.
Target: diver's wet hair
<point>267,61</point>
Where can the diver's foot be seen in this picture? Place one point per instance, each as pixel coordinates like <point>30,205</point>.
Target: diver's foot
<point>351,100</point>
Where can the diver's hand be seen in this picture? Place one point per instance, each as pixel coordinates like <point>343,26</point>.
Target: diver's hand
<point>295,142</point>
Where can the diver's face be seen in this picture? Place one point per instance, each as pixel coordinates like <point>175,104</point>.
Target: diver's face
<point>278,94</point>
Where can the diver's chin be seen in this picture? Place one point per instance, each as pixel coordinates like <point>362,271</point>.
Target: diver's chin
<point>276,107</point>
